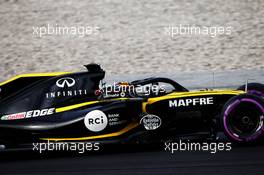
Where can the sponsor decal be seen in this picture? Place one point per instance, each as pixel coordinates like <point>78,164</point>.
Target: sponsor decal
<point>69,93</point>
<point>191,102</point>
<point>114,119</point>
<point>29,114</point>
<point>150,122</point>
<point>65,82</point>
<point>96,121</point>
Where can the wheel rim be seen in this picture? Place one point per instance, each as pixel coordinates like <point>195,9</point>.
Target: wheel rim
<point>243,119</point>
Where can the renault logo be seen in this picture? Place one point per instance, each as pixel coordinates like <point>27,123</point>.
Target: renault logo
<point>65,82</point>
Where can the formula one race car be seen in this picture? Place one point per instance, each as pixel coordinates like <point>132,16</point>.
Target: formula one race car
<point>79,107</point>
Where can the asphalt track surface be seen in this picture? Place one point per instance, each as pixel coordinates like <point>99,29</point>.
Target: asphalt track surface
<point>240,160</point>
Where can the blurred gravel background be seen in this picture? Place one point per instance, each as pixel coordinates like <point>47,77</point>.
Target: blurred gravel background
<point>131,38</point>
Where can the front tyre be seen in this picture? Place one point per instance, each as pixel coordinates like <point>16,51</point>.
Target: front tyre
<point>254,89</point>
<point>242,118</point>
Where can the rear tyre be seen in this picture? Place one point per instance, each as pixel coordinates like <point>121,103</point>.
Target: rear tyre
<point>242,118</point>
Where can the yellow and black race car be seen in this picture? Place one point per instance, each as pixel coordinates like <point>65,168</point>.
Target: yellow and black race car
<point>79,107</point>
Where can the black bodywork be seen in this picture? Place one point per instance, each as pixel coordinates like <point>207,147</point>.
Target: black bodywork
<point>71,103</point>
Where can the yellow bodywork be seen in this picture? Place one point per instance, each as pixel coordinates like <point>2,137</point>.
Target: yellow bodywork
<point>191,94</point>
<point>131,126</point>
<point>33,75</point>
<point>115,134</point>
<point>144,104</point>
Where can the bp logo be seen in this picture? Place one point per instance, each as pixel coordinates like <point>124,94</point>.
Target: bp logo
<point>95,120</point>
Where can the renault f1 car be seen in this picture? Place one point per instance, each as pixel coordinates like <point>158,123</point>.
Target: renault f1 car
<point>79,107</point>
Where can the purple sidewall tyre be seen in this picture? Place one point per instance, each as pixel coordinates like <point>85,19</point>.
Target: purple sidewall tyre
<point>234,105</point>
<point>254,89</point>
<point>256,92</point>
